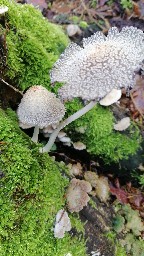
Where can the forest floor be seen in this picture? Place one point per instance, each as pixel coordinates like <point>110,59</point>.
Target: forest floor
<point>87,17</point>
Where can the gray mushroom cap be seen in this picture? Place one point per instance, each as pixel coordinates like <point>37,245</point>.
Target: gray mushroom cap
<point>103,63</point>
<point>39,107</point>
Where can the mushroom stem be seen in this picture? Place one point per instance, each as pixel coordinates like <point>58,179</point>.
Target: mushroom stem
<point>67,121</point>
<point>35,134</point>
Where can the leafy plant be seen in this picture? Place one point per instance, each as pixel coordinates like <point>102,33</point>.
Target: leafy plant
<point>93,3</point>
<point>126,4</point>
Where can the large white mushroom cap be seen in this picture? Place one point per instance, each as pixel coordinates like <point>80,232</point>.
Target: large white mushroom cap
<point>39,107</point>
<point>103,63</point>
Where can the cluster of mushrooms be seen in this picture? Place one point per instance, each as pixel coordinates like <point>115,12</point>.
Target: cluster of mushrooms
<point>95,73</point>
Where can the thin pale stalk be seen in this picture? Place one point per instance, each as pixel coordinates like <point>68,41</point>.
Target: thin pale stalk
<point>35,134</point>
<point>67,121</point>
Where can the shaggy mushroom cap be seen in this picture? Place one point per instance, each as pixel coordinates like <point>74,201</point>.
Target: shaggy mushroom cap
<point>102,64</point>
<point>39,107</point>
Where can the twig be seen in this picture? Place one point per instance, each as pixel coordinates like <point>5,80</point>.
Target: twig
<point>91,16</point>
<point>12,87</point>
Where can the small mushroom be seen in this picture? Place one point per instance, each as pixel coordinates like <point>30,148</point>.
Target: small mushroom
<point>61,134</point>
<point>92,178</point>
<point>92,71</point>
<point>48,129</point>
<point>111,97</point>
<point>76,194</point>
<point>62,224</point>
<point>79,145</point>
<point>24,126</point>
<point>102,189</point>
<point>123,124</point>
<point>39,108</point>
<point>73,30</point>
<point>75,169</point>
<point>3,9</point>
<point>65,139</point>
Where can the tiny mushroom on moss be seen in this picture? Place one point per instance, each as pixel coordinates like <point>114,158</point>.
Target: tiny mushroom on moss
<point>62,224</point>
<point>76,194</point>
<point>39,108</point>
<point>100,185</point>
<point>123,124</point>
<point>79,145</point>
<point>3,9</point>
<point>94,70</point>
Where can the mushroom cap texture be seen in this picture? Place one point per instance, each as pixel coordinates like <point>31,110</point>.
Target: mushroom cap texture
<point>103,63</point>
<point>40,107</point>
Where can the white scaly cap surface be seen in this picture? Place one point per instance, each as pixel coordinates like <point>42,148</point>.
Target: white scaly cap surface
<point>102,64</point>
<point>40,107</point>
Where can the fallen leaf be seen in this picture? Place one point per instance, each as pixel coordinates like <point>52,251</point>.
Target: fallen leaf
<point>137,96</point>
<point>40,3</point>
<point>120,194</point>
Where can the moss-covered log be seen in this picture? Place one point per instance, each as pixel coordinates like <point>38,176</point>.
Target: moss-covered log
<point>33,44</point>
<point>32,191</point>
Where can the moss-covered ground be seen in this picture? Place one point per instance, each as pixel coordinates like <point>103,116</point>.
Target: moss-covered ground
<point>99,135</point>
<point>33,185</point>
<point>33,44</point>
<point>32,191</point>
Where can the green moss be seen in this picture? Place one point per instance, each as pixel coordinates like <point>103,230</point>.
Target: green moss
<point>33,43</point>
<point>118,223</point>
<point>126,4</point>
<point>32,191</point>
<point>128,222</point>
<point>134,246</point>
<point>119,250</point>
<point>93,204</point>
<point>141,180</point>
<point>99,136</point>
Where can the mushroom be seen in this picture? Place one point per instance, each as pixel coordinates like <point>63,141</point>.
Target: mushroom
<point>3,9</point>
<point>102,189</point>
<point>73,30</point>
<point>76,194</point>
<point>94,70</point>
<point>39,108</point>
<point>62,224</point>
<point>123,124</point>
<point>79,145</point>
<point>113,96</point>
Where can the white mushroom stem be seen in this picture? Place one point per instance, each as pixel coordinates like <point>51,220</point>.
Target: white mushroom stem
<point>67,121</point>
<point>35,134</point>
